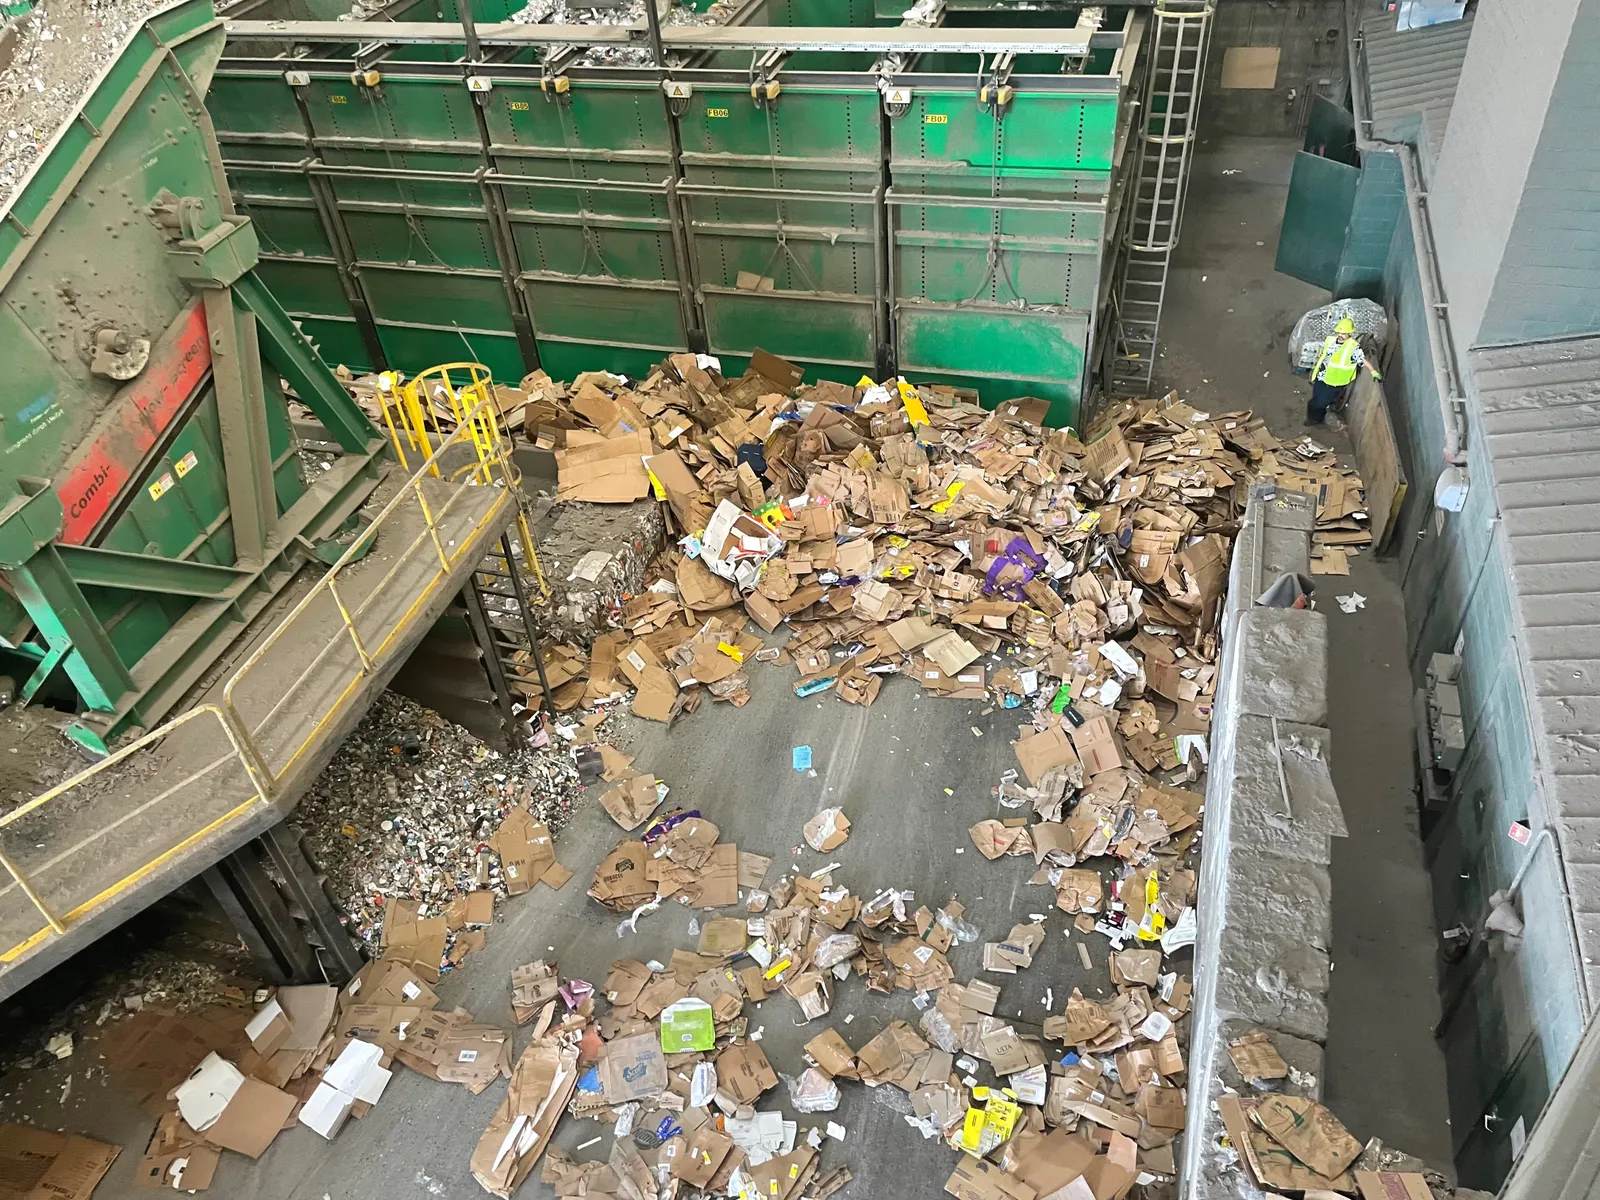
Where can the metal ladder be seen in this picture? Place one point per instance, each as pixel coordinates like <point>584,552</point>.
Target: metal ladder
<point>497,604</point>
<point>1171,101</point>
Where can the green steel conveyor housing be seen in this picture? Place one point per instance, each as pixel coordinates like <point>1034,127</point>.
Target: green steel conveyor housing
<point>418,200</point>
<point>152,502</point>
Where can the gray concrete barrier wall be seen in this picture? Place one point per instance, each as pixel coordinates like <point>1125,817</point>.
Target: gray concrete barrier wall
<point>1265,910</point>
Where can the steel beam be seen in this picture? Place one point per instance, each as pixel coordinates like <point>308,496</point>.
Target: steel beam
<point>898,39</point>
<point>242,422</point>
<point>291,352</point>
<point>97,567</point>
<point>483,635</point>
<point>245,892</point>
<point>65,619</point>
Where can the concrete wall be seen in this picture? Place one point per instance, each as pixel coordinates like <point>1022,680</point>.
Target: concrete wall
<point>1266,916</point>
<point>1309,62</point>
<point>1507,81</point>
<point>1549,280</point>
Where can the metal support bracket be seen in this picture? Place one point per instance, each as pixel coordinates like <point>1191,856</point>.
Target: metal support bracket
<point>338,953</point>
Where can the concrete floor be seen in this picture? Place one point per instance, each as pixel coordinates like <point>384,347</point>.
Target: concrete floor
<point>1226,328</point>
<point>889,767</point>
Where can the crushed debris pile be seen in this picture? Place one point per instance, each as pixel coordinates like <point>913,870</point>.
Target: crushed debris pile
<point>416,814</point>
<point>59,48</point>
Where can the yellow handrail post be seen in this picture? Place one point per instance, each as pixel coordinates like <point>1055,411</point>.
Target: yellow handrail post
<point>433,529</point>
<point>28,890</point>
<point>355,637</point>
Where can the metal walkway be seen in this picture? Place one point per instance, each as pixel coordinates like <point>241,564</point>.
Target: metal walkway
<point>100,847</point>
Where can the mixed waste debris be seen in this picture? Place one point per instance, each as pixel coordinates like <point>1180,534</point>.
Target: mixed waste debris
<point>893,530</point>
<point>48,58</point>
<point>414,813</point>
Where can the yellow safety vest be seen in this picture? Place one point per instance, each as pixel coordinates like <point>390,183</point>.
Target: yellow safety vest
<point>1336,365</point>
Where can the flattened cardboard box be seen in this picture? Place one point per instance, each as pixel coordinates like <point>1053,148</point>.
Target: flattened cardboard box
<point>52,1166</point>
<point>634,1068</point>
<point>743,1070</point>
<point>176,1158</point>
<point>976,1179</point>
<point>604,470</point>
<point>541,1085</point>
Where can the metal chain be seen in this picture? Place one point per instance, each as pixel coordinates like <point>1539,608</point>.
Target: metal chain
<point>591,240</point>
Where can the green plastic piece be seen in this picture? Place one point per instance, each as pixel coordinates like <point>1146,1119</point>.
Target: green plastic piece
<point>688,1025</point>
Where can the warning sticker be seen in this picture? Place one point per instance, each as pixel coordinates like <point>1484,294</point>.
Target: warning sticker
<point>161,487</point>
<point>186,464</point>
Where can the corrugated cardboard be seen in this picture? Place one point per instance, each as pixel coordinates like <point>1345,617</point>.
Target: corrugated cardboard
<point>175,1157</point>
<point>1044,752</point>
<point>604,470</point>
<point>1309,1131</point>
<point>51,1166</point>
<point>701,1156</point>
<point>1053,1161</point>
<point>252,1118</point>
<point>634,1068</point>
<point>1096,744</point>
<point>833,1054</point>
<point>519,1132</point>
<point>744,1073</point>
<point>389,983</point>
<point>526,850</point>
<point>630,801</point>
<point>976,1179</point>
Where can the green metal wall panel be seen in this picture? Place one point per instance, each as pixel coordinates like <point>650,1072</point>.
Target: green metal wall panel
<point>786,192</point>
<point>777,234</point>
<point>997,276</point>
<point>1322,194</point>
<point>601,255</point>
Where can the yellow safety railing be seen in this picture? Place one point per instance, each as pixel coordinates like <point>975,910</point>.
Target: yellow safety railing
<point>238,740</point>
<point>463,393</point>
<point>491,467</point>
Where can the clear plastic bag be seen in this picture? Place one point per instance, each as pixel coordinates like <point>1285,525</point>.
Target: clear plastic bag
<point>834,949</point>
<point>812,1092</point>
<point>939,1031</point>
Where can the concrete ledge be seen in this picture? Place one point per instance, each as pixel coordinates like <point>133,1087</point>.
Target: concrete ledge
<point>1283,660</point>
<point>1266,912</point>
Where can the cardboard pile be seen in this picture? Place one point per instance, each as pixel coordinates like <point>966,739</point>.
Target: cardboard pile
<point>313,1056</point>
<point>61,1166</point>
<point>906,530</point>
<point>1290,1142</point>
<point>678,857</point>
<point>1343,529</point>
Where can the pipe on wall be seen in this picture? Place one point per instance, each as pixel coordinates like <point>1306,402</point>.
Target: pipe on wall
<point>1441,345</point>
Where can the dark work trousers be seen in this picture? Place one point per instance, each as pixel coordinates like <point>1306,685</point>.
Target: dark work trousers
<point>1323,397</point>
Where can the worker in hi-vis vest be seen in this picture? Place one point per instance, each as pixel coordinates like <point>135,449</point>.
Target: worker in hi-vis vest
<point>1335,370</point>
